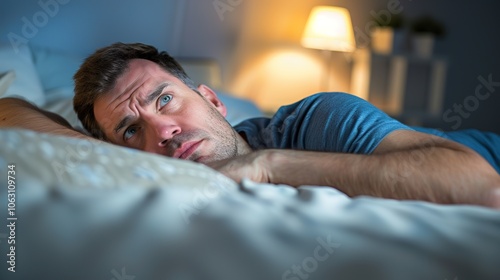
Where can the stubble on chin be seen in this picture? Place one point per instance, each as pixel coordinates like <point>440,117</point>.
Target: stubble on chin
<point>227,143</point>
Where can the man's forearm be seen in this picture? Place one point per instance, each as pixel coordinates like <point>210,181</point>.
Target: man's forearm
<point>17,113</point>
<point>409,174</point>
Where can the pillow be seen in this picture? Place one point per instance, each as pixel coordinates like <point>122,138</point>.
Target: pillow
<point>6,79</point>
<point>55,69</point>
<point>57,160</point>
<point>27,83</point>
<point>239,109</point>
<point>63,106</point>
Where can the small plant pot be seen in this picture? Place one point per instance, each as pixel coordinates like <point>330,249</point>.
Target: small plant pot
<point>382,39</point>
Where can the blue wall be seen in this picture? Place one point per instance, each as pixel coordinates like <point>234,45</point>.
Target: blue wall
<point>82,26</point>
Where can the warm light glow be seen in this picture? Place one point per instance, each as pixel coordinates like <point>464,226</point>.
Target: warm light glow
<point>329,28</point>
<point>285,71</point>
<point>280,77</point>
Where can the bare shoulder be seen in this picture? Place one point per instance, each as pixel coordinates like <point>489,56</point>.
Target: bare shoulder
<point>18,113</point>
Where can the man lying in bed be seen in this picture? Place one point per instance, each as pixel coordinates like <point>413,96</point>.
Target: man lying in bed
<point>134,96</point>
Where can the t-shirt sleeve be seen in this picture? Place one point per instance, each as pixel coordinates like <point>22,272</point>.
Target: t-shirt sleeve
<point>331,122</point>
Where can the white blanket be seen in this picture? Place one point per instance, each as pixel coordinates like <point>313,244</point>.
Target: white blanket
<point>96,211</point>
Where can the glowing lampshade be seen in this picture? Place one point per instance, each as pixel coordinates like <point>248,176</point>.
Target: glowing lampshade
<point>329,28</point>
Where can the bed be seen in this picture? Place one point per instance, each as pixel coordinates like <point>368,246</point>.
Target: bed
<point>80,209</point>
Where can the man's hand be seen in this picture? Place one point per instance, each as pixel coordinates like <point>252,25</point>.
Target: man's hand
<point>254,166</point>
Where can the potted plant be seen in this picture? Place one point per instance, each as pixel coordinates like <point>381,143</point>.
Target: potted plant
<point>425,30</point>
<point>386,36</point>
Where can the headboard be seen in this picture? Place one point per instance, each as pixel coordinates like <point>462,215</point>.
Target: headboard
<point>202,70</point>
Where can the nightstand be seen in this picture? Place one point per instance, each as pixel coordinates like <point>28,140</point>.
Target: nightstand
<point>405,86</point>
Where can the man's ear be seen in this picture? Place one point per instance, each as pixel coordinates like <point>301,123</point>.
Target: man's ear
<point>211,96</point>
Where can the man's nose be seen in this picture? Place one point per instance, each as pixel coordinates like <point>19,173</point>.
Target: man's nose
<point>159,130</point>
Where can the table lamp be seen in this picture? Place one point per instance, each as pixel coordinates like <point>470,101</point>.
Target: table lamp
<point>329,29</point>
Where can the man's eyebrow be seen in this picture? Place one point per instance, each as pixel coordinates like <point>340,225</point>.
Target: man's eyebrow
<point>150,98</point>
<point>153,95</point>
<point>122,123</point>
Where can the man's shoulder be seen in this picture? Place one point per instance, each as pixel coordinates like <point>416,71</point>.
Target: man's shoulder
<point>327,121</point>
<point>338,104</point>
<point>329,97</point>
<point>316,103</point>
<point>303,119</point>
<point>327,101</point>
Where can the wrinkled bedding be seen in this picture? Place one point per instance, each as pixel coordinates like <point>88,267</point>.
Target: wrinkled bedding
<point>91,210</point>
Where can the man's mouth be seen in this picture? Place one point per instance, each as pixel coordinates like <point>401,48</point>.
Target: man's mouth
<point>186,149</point>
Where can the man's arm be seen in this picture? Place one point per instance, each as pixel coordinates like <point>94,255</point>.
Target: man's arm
<point>17,113</point>
<point>406,165</point>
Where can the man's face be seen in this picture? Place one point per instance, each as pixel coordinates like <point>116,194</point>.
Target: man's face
<point>151,110</point>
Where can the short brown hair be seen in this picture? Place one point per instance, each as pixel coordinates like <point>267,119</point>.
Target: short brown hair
<point>99,72</point>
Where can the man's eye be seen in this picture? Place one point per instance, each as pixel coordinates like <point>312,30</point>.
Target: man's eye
<point>164,99</point>
<point>129,133</point>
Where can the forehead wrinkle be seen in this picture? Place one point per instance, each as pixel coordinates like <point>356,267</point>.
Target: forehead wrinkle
<point>153,95</point>
<point>120,105</point>
<point>124,120</point>
<point>131,87</point>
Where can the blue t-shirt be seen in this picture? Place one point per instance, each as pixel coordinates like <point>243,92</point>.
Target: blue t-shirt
<point>343,123</point>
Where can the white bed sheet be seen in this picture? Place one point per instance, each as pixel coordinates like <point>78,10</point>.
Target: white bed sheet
<point>161,224</point>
